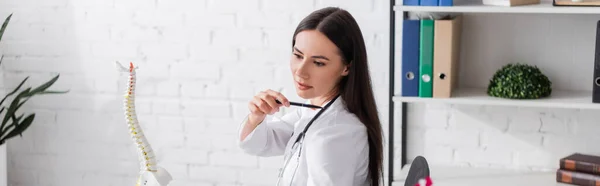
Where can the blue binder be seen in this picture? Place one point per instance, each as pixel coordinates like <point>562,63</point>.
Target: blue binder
<point>410,58</point>
<point>410,2</point>
<point>446,2</point>
<point>428,3</point>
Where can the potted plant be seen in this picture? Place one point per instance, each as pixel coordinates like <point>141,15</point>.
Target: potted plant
<point>11,123</point>
<point>519,81</point>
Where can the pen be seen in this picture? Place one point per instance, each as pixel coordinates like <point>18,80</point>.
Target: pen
<point>300,104</point>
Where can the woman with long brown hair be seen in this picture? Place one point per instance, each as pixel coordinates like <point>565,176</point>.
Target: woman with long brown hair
<point>339,140</point>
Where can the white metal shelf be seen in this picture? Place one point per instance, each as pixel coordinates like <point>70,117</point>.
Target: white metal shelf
<point>542,8</point>
<point>478,96</point>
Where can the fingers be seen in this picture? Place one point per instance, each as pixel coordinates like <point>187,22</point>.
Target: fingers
<point>270,100</point>
<point>254,109</point>
<point>264,102</point>
<point>263,107</point>
<point>279,97</point>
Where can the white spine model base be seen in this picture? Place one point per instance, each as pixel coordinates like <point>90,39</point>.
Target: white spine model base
<point>150,174</point>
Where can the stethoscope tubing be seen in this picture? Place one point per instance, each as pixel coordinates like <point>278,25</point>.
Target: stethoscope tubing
<point>299,141</point>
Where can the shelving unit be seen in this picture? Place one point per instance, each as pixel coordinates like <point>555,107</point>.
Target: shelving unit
<point>475,96</point>
<point>469,7</point>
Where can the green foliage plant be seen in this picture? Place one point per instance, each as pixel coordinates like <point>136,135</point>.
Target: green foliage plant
<point>519,81</point>
<point>12,124</point>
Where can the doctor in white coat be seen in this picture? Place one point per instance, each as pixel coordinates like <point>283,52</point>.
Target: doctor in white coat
<point>343,144</point>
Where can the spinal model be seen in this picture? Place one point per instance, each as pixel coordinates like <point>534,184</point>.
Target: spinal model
<point>150,174</point>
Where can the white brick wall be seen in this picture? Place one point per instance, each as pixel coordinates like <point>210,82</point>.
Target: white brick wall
<point>200,62</point>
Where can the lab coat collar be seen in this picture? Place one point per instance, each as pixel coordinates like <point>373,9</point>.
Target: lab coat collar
<point>335,106</point>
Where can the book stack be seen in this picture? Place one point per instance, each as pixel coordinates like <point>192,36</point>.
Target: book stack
<point>428,2</point>
<point>579,169</point>
<point>430,55</point>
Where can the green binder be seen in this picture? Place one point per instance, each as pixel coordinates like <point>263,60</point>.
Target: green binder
<point>426,58</point>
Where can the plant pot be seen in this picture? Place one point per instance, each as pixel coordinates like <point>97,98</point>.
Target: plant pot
<point>3,165</point>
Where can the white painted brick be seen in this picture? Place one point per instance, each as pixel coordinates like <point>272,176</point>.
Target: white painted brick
<point>534,158</point>
<point>166,106</point>
<point>439,154</point>
<point>481,157</point>
<point>165,139</point>
<point>158,18</point>
<point>194,125</point>
<point>131,32</point>
<point>437,118</point>
<point>207,109</point>
<point>32,32</point>
<point>170,123</point>
<point>223,126</point>
<point>225,142</point>
<point>137,5</point>
<point>287,5</point>
<point>91,3</point>
<point>200,71</point>
<point>181,5</point>
<point>247,73</point>
<point>232,159</point>
<point>43,117</point>
<point>240,110</point>
<point>279,38</point>
<point>259,177</point>
<point>167,88</point>
<point>88,32</point>
<point>585,124</point>
<point>185,182</point>
<point>195,35</point>
<point>214,174</point>
<point>243,92</point>
<point>184,156</point>
<point>105,179</point>
<point>109,16</point>
<point>510,141</point>
<point>89,125</point>
<point>563,145</point>
<point>142,106</point>
<point>525,122</point>
<point>114,50</point>
<point>232,6</point>
<point>213,54</point>
<point>553,125</point>
<point>207,20</point>
<point>61,178</point>
<point>453,138</point>
<point>217,91</point>
<point>199,141</point>
<point>154,70</point>
<point>30,48</point>
<point>265,20</point>
<point>268,56</point>
<point>274,162</point>
<point>22,177</point>
<point>193,89</point>
<point>238,38</point>
<point>467,119</point>
<point>96,150</point>
<point>164,51</point>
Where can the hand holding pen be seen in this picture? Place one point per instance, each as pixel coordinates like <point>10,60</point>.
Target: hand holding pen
<point>268,102</point>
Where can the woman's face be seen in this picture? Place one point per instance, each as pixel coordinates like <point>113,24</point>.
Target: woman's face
<point>316,65</point>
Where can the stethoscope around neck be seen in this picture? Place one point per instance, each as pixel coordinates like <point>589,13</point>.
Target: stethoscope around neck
<point>297,145</point>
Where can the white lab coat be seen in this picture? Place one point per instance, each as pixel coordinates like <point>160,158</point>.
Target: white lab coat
<point>335,150</point>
